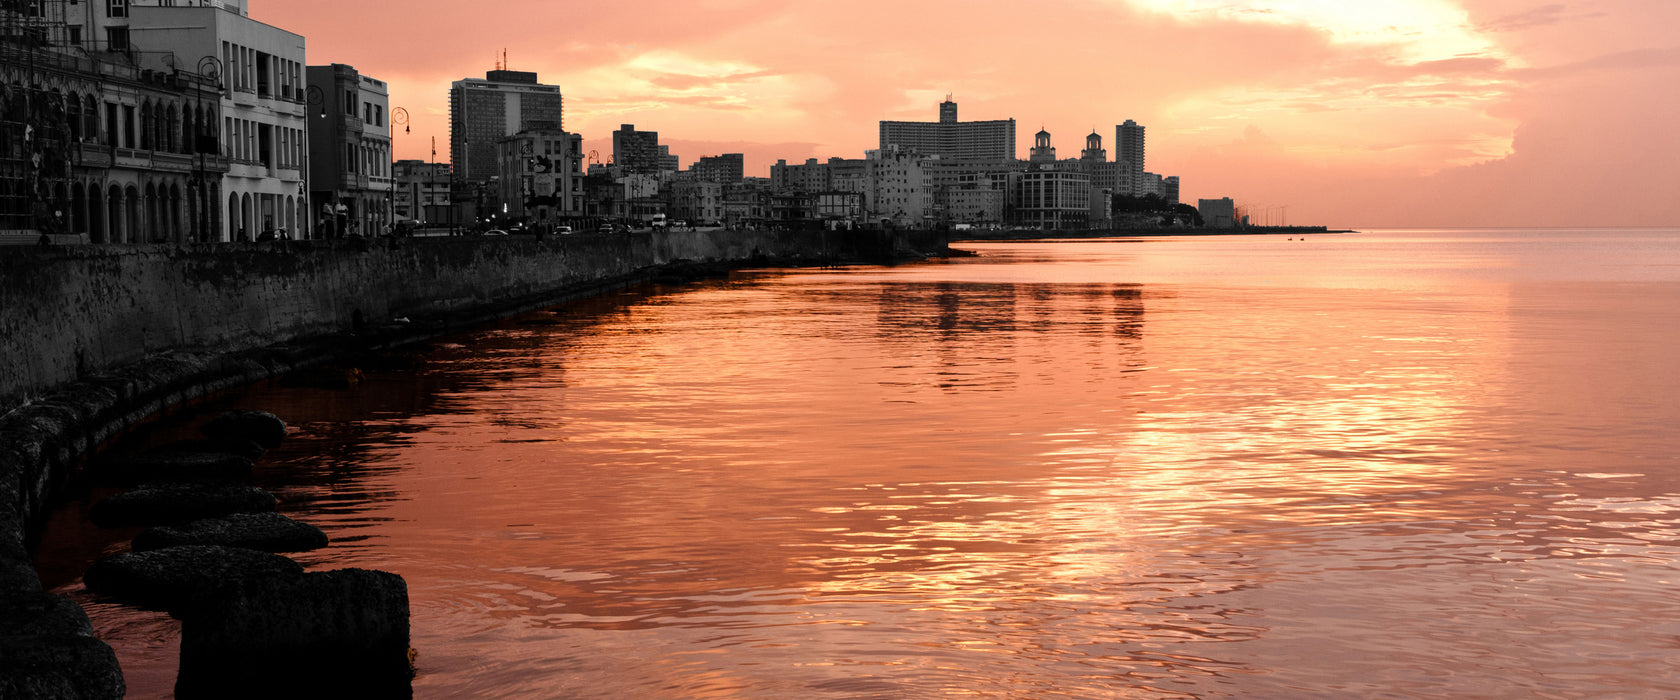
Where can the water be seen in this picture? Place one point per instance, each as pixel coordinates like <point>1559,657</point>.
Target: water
<point>1403,463</point>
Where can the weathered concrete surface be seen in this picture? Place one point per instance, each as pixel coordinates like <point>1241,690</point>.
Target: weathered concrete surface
<point>269,532</point>
<point>48,651</point>
<point>338,633</point>
<point>169,579</point>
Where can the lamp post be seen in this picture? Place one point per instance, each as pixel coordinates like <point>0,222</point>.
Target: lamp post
<point>312,96</point>
<point>399,117</point>
<point>210,70</point>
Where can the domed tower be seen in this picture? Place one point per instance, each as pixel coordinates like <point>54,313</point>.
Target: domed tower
<point>1042,151</point>
<point>1094,150</point>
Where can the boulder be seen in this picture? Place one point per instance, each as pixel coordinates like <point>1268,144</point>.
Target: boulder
<point>47,650</point>
<point>269,532</point>
<point>179,467</point>
<point>244,448</point>
<point>165,504</point>
<point>342,633</point>
<point>260,427</point>
<point>169,579</point>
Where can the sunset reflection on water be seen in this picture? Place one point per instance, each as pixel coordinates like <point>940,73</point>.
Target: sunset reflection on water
<point>1412,463</point>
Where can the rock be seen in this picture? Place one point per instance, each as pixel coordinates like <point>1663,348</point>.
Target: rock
<point>179,467</point>
<point>165,504</point>
<point>169,579</point>
<point>47,650</point>
<point>260,427</point>
<point>343,633</point>
<point>244,448</point>
<point>269,532</point>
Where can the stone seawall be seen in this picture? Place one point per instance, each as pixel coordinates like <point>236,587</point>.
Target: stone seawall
<point>97,339</point>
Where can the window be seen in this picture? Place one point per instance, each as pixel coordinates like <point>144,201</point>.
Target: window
<point>116,8</point>
<point>75,36</point>
<point>350,102</point>
<point>116,38</point>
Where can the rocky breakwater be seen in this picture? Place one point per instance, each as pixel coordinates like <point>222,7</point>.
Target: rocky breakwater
<point>254,623</point>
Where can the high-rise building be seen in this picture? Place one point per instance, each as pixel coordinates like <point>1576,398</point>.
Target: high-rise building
<point>483,112</point>
<point>949,138</point>
<point>1128,145</point>
<point>636,151</point>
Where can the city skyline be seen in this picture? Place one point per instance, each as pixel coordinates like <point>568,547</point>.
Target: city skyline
<point>1395,113</point>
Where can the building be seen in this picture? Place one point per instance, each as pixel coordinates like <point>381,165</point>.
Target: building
<point>1047,197</point>
<point>483,112</point>
<point>97,148</point>
<point>899,192</point>
<point>1169,189</point>
<point>728,168</point>
<point>696,200</point>
<point>422,192</point>
<point>1042,151</point>
<point>350,153</point>
<point>1217,213</point>
<point>949,138</point>
<point>542,177</point>
<point>261,128</point>
<point>1128,146</point>
<point>636,151</point>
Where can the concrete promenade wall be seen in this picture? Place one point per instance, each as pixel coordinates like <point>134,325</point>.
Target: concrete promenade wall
<point>96,339</point>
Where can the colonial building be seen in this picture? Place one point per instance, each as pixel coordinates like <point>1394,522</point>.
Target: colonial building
<point>350,152</point>
<point>263,103</point>
<point>96,145</point>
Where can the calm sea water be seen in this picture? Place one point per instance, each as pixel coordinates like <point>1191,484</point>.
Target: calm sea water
<point>1398,463</point>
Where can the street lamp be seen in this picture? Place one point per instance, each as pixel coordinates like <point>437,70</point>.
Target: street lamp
<point>399,117</point>
<point>210,70</point>
<point>312,96</point>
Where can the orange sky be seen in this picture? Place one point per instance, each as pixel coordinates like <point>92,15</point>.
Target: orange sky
<point>1368,114</point>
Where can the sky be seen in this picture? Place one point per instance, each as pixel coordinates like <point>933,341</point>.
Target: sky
<point>1373,114</point>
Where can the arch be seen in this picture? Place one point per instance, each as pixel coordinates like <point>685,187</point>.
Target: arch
<point>172,119</point>
<point>77,219</point>
<point>233,217</point>
<point>114,215</point>
<point>247,217</point>
<point>96,214</point>
<point>134,215</point>
<point>145,126</point>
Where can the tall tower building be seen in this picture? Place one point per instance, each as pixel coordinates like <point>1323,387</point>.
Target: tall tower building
<point>947,111</point>
<point>1128,144</point>
<point>483,112</point>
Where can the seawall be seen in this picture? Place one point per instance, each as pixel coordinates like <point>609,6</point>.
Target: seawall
<point>97,339</point>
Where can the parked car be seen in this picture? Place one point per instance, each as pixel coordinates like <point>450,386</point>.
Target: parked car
<point>495,232</point>
<point>562,229</point>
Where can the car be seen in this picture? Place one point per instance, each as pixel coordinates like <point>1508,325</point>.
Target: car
<point>562,229</point>
<point>495,232</point>
<point>679,223</point>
